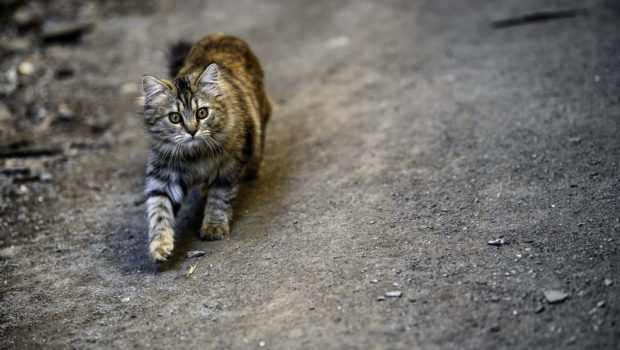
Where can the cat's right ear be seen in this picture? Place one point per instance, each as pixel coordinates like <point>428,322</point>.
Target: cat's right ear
<point>153,88</point>
<point>209,78</point>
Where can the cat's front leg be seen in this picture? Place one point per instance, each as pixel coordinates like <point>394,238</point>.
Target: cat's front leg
<point>162,204</point>
<point>218,211</point>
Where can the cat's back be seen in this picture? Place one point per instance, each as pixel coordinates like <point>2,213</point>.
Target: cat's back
<point>229,52</point>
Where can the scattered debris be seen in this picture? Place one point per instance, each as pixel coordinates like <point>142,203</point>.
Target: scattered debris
<point>195,254</point>
<point>394,294</point>
<point>497,242</point>
<point>554,296</point>
<point>538,16</point>
<point>191,270</point>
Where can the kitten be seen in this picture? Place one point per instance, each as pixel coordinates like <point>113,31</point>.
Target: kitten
<point>206,126</point>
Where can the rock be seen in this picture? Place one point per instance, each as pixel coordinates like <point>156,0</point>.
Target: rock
<point>26,68</point>
<point>394,294</point>
<point>380,298</point>
<point>554,296</point>
<point>125,300</point>
<point>601,304</point>
<point>64,112</point>
<point>497,242</point>
<point>194,254</point>
<point>65,31</point>
<point>607,282</point>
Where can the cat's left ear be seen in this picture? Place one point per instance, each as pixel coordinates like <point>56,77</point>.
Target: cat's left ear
<point>153,88</point>
<point>209,78</point>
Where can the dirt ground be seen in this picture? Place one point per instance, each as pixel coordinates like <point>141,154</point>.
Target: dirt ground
<point>407,135</point>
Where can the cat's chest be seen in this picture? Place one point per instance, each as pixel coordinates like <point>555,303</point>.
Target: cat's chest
<point>207,170</point>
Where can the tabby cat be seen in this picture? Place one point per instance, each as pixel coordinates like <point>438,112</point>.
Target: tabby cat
<point>206,126</point>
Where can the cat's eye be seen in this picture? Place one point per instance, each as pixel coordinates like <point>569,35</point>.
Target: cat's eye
<point>174,117</point>
<point>202,113</point>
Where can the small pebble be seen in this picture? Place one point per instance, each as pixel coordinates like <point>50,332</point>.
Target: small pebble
<point>194,254</point>
<point>601,304</point>
<point>394,294</point>
<point>494,329</point>
<point>261,344</point>
<point>554,296</point>
<point>64,112</point>
<point>45,176</point>
<point>607,282</point>
<point>380,298</point>
<point>497,242</point>
<point>25,68</point>
<point>540,308</point>
<point>125,300</point>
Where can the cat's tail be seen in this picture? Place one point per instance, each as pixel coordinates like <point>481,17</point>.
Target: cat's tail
<point>176,56</point>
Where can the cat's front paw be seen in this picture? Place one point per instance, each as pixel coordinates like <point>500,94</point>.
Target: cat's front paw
<point>161,246</point>
<point>213,232</point>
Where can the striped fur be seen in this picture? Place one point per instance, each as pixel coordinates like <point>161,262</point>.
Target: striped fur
<point>222,74</point>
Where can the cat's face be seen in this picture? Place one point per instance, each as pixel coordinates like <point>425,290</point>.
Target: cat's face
<point>183,116</point>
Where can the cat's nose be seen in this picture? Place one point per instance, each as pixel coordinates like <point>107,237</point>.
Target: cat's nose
<point>192,132</point>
